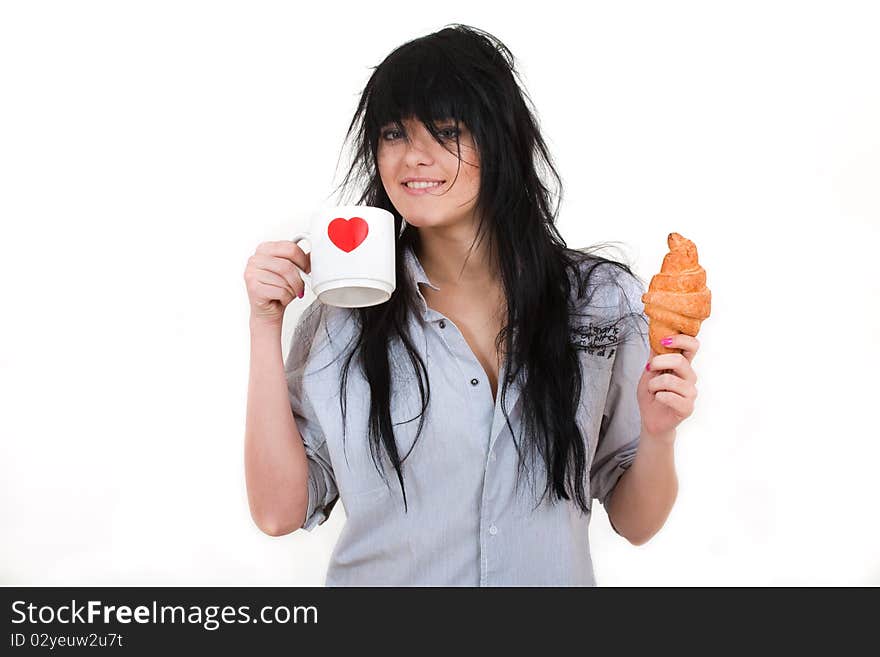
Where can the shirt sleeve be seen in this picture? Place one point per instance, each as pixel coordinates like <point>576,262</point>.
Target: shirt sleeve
<point>323,493</point>
<point>621,419</point>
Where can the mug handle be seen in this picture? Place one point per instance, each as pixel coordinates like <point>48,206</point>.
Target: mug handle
<point>296,238</point>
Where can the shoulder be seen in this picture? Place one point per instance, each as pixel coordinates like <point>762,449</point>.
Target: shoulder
<point>320,335</point>
<point>600,283</point>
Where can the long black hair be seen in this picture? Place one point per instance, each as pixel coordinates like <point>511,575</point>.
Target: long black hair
<point>465,74</point>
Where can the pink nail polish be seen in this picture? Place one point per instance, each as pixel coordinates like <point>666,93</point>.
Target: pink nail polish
<point>648,366</point>
<point>301,294</point>
<point>666,342</point>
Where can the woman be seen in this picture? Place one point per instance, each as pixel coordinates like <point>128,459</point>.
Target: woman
<point>523,361</point>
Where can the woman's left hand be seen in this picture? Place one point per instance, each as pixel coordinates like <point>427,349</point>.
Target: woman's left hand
<point>667,397</point>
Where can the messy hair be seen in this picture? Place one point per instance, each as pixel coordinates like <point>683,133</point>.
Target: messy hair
<point>466,75</point>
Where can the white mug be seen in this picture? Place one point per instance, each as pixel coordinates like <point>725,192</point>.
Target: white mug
<point>352,255</point>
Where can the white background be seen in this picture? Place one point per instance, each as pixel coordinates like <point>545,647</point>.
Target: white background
<point>147,148</point>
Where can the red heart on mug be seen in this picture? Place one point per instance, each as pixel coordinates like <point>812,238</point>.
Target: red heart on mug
<point>348,234</point>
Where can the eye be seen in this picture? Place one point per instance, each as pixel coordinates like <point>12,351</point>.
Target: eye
<point>389,134</point>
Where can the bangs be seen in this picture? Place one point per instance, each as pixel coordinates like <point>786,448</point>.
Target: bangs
<point>418,81</point>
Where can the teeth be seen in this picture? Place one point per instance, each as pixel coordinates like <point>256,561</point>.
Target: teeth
<point>421,185</point>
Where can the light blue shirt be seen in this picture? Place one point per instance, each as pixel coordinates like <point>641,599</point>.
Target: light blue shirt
<point>466,523</point>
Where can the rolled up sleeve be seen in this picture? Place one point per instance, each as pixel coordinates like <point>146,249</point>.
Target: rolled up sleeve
<point>621,419</point>
<point>323,492</point>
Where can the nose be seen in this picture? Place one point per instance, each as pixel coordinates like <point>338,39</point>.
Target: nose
<point>417,154</point>
<point>419,146</point>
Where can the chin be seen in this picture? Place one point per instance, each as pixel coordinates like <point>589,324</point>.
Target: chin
<point>417,215</point>
<point>413,216</point>
<point>421,220</point>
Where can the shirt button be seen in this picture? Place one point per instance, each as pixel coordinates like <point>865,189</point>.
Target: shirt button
<point>474,382</point>
<point>493,530</point>
<point>442,323</point>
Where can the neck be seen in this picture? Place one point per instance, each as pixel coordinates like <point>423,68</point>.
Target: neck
<point>445,257</point>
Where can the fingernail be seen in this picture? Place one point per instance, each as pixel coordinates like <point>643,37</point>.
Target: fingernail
<point>666,342</point>
<point>301,294</point>
<point>648,366</point>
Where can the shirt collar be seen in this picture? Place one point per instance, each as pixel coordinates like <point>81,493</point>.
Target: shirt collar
<point>417,275</point>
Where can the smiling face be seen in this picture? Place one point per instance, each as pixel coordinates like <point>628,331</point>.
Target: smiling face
<point>414,153</point>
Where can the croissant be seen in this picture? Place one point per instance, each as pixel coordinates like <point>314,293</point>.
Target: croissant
<point>677,300</point>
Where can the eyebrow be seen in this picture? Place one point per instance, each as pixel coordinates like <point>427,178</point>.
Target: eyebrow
<point>438,122</point>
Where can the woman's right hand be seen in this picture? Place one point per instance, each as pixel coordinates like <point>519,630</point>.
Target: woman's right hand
<point>272,279</point>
